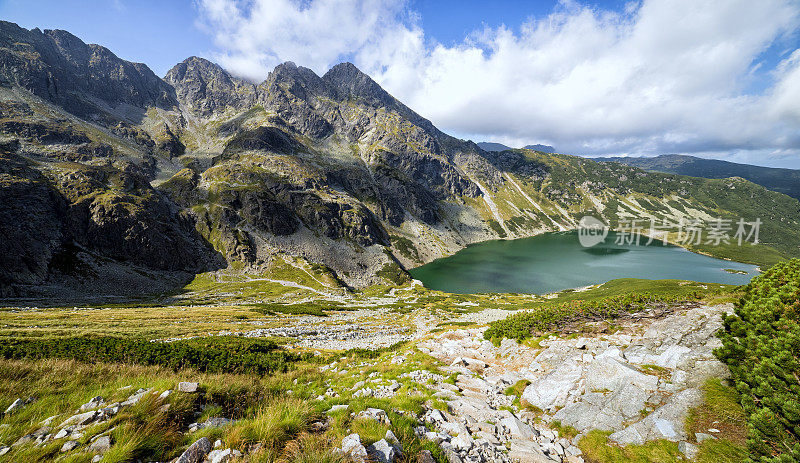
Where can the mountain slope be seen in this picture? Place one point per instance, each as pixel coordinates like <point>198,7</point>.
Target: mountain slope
<point>492,146</point>
<point>542,148</point>
<point>786,181</point>
<point>329,176</point>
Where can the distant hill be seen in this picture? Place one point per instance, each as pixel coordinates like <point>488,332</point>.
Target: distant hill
<point>786,181</point>
<point>491,146</point>
<point>542,148</point>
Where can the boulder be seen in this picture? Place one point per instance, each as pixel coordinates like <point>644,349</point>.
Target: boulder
<point>425,456</point>
<point>450,453</point>
<point>223,456</point>
<point>95,402</point>
<point>462,442</point>
<point>196,452</point>
<point>374,414</point>
<point>518,429</point>
<point>16,405</point>
<point>69,445</point>
<point>665,423</point>
<point>552,390</point>
<point>585,416</point>
<point>337,408</point>
<point>610,374</point>
<point>527,451</point>
<point>705,369</point>
<point>688,449</point>
<point>382,452</point>
<point>393,440</point>
<point>351,446</point>
<point>629,401</point>
<point>80,419</point>
<point>101,444</point>
<point>185,386</point>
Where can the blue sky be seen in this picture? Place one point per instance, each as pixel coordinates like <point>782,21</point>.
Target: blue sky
<point>163,33</point>
<point>715,78</point>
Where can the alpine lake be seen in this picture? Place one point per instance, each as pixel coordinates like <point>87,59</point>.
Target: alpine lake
<point>556,261</point>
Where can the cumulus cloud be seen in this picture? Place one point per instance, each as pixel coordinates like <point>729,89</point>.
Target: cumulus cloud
<point>257,35</point>
<point>660,76</point>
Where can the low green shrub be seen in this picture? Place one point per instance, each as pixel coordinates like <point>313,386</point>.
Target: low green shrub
<point>213,354</point>
<point>522,325</point>
<point>761,346</point>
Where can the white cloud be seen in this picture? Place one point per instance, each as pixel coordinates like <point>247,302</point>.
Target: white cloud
<point>257,35</point>
<point>660,76</point>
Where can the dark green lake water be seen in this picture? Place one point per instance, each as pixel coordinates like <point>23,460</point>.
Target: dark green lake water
<point>556,261</point>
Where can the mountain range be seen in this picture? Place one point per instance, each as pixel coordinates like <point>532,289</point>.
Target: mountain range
<point>786,181</point>
<point>114,181</point>
<point>492,146</point>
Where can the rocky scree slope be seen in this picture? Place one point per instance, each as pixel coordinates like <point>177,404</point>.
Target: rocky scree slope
<point>639,384</point>
<point>203,170</point>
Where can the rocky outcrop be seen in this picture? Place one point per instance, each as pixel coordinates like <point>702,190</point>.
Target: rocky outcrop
<point>204,88</point>
<point>639,383</point>
<point>31,224</point>
<point>59,67</point>
<point>47,226</point>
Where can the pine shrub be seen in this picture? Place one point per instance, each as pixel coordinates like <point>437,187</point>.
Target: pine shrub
<point>761,346</point>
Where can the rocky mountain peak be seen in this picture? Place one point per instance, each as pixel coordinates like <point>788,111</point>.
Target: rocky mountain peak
<point>300,81</point>
<point>204,87</point>
<point>59,67</point>
<point>350,82</point>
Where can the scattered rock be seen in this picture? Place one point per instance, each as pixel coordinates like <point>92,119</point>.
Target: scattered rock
<point>135,397</point>
<point>425,456</point>
<point>375,414</point>
<point>553,390</point>
<point>16,405</point>
<point>393,440</point>
<point>610,374</point>
<point>351,446</point>
<point>223,456</point>
<point>81,419</point>
<point>69,445</point>
<point>701,436</point>
<point>95,402</point>
<point>185,386</point>
<point>688,449</point>
<point>382,452</point>
<point>337,408</point>
<point>196,452</point>
<point>101,444</point>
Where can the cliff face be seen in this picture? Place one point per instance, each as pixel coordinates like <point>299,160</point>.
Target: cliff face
<point>59,67</point>
<point>111,174</point>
